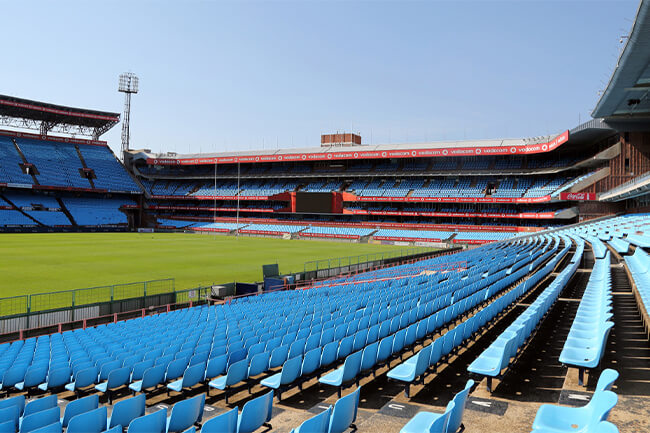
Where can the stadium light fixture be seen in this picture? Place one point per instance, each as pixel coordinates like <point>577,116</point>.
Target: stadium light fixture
<point>128,84</point>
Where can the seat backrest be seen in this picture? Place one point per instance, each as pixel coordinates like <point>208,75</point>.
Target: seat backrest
<point>369,356</point>
<point>140,367</point>
<point>58,377</point>
<point>216,366</point>
<point>41,419</point>
<point>456,416</point>
<point>86,377</point>
<point>256,412</point>
<point>152,423</point>
<point>193,375</point>
<point>35,376</point>
<point>118,377</point>
<point>127,410</point>
<point>290,370</point>
<point>237,372</point>
<point>153,376</point>
<point>605,427</point>
<point>40,404</point>
<point>185,413</point>
<point>600,405</point>
<point>259,364</point>
<point>440,424</point>
<point>278,356</point>
<point>18,401</point>
<point>311,361</point>
<point>351,366</point>
<point>385,348</point>
<point>79,406</point>
<point>422,362</point>
<point>345,412</point>
<point>328,355</point>
<point>316,424</point>
<point>13,375</point>
<point>107,368</point>
<point>606,379</point>
<point>223,423</point>
<point>10,414</point>
<point>175,369</point>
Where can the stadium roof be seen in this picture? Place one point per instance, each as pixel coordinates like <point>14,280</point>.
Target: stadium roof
<point>375,151</point>
<point>626,99</point>
<point>45,117</point>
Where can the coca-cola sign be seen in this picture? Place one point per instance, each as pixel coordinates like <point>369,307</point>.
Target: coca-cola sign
<point>578,196</point>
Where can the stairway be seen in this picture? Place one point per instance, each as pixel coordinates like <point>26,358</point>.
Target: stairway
<point>83,163</point>
<point>22,156</point>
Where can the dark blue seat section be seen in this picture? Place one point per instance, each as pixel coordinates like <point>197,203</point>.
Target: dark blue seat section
<point>492,362</point>
<point>585,343</point>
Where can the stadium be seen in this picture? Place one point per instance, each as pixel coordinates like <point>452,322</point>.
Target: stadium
<point>492,285</point>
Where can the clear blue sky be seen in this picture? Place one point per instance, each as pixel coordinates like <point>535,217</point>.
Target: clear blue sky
<point>243,75</point>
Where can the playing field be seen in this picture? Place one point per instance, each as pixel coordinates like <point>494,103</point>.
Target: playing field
<point>34,263</point>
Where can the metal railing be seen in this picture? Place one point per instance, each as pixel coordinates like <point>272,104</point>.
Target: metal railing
<point>40,302</point>
<point>339,262</point>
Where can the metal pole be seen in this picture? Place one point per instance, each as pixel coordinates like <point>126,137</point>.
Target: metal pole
<point>238,195</point>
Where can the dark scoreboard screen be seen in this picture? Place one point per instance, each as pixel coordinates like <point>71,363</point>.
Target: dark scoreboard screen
<point>314,202</point>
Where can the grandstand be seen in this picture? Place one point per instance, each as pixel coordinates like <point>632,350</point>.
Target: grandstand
<point>528,310</point>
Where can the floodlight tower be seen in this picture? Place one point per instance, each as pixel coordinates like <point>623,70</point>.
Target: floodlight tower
<point>128,85</point>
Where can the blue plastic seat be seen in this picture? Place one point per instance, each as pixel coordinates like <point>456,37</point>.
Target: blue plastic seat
<point>310,362</point>
<point>151,378</point>
<point>116,379</point>
<point>13,376</point>
<point>423,421</point>
<point>35,376</point>
<point>346,373</point>
<point>152,423</point>
<point>18,401</point>
<point>175,369</point>
<point>345,412</point>
<point>79,406</point>
<point>369,357</point>
<point>40,419</point>
<point>328,356</point>
<point>216,366</point>
<point>56,379</point>
<point>139,368</point>
<point>186,413</point>
<point>429,422</point>
<point>408,372</point>
<point>551,418</point>
<point>278,356</point>
<point>290,372</point>
<point>237,372</point>
<point>606,379</point>
<point>256,413</point>
<point>127,410</point>
<point>192,376</point>
<point>40,404</point>
<point>93,421</point>
<point>83,379</point>
<point>222,423</point>
<point>316,424</point>
<point>10,414</point>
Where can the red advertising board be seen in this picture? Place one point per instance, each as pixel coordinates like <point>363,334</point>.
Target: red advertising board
<point>523,215</point>
<point>372,154</point>
<point>497,200</point>
<point>53,138</point>
<point>578,196</point>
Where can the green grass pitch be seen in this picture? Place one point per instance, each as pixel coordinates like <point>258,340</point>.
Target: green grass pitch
<point>36,263</point>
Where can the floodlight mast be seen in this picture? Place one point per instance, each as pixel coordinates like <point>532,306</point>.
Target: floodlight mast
<point>128,84</point>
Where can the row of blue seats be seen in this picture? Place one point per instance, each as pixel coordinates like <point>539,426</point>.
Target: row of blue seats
<point>639,265</point>
<point>497,357</point>
<point>585,343</point>
<point>416,366</point>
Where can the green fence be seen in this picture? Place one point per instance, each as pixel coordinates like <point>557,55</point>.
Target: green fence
<point>79,297</point>
<point>338,262</point>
